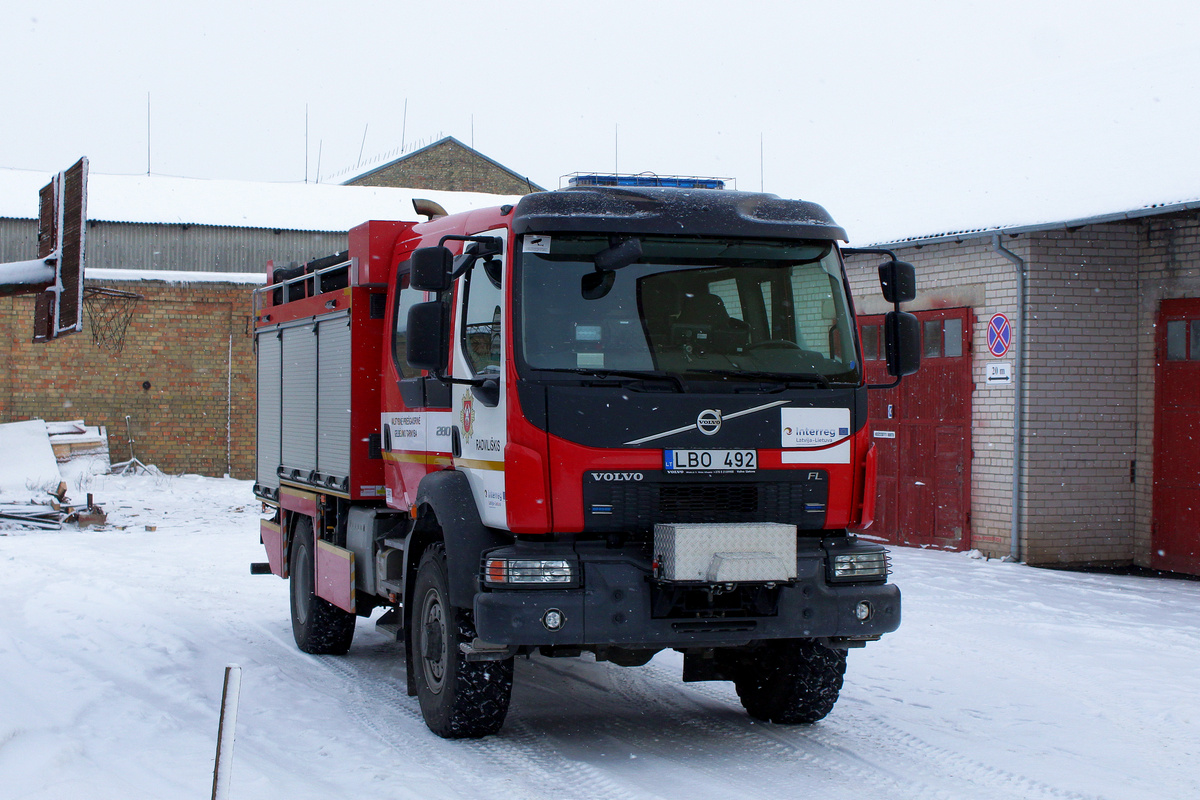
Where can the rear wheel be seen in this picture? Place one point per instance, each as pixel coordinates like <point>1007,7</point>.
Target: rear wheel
<point>319,626</point>
<point>790,681</point>
<point>459,699</point>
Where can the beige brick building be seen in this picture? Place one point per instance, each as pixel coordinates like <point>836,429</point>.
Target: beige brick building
<point>1085,303</point>
<point>450,165</point>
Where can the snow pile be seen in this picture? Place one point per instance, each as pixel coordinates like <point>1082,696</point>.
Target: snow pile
<point>28,469</point>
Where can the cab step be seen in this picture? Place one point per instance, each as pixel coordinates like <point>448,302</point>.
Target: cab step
<point>391,624</point>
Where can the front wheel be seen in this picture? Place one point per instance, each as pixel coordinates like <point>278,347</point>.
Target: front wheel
<point>320,627</point>
<point>791,681</point>
<point>459,699</point>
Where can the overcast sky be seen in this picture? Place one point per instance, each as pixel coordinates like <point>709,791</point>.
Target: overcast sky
<point>901,118</point>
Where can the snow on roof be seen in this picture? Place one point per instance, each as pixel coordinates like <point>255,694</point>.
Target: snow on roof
<point>240,204</point>
<point>174,276</point>
<point>1062,215</point>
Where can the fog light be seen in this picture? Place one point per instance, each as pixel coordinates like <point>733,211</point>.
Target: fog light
<point>554,619</point>
<point>863,611</point>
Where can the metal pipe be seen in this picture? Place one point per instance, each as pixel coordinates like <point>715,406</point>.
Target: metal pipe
<point>1019,333</point>
<point>223,764</point>
<point>35,273</point>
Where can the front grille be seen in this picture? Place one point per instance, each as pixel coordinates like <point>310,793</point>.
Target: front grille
<point>634,505</point>
<point>706,502</point>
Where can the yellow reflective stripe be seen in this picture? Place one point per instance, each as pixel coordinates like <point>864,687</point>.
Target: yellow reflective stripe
<point>471,463</point>
<point>418,458</point>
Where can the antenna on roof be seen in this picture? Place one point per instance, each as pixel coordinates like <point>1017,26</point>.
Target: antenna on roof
<point>616,152</point>
<point>147,133</point>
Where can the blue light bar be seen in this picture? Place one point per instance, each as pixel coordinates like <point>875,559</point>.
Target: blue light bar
<point>644,179</point>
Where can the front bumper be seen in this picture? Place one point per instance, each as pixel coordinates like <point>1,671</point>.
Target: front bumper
<point>613,606</point>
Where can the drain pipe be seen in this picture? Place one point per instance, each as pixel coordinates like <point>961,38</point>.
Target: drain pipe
<point>1019,334</point>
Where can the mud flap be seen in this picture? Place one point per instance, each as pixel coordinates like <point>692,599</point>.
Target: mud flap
<point>335,575</point>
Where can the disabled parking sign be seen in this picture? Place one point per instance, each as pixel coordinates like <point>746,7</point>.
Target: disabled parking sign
<point>999,335</point>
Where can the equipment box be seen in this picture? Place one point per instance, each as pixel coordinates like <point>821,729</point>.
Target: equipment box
<point>725,552</point>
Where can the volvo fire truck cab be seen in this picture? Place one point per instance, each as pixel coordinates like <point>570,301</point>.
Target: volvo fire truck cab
<point>606,419</point>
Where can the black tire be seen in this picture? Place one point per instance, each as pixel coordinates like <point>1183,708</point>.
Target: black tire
<point>320,627</point>
<point>459,699</point>
<point>791,681</point>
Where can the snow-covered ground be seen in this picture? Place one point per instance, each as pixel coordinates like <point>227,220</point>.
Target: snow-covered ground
<point>1002,682</point>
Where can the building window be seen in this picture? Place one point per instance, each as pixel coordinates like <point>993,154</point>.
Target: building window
<point>870,343</point>
<point>933,338</point>
<point>952,333</point>
<point>1177,340</point>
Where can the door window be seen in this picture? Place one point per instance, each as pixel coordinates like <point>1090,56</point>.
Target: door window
<point>481,339</point>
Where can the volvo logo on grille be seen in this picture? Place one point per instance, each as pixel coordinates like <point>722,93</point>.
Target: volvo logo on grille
<point>617,476</point>
<point>709,421</point>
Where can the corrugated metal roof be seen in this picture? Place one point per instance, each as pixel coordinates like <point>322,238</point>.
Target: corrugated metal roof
<point>1150,210</point>
<point>240,204</point>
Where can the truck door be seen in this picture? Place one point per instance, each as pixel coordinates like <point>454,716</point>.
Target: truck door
<point>480,413</point>
<point>416,415</point>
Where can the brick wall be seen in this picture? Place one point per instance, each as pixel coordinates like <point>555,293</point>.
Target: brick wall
<point>1169,267</point>
<point>1082,398</point>
<point>966,275</point>
<point>1094,294</point>
<point>185,376</point>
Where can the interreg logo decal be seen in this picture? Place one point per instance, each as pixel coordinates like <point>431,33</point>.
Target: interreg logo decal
<point>813,427</point>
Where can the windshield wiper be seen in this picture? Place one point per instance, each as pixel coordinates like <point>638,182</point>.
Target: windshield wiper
<point>626,373</point>
<point>773,377</point>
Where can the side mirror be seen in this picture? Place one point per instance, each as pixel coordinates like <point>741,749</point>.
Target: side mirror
<point>898,280</point>
<point>428,345</point>
<point>902,343</point>
<point>430,269</point>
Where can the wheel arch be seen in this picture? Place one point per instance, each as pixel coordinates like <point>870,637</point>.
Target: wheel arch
<point>446,513</point>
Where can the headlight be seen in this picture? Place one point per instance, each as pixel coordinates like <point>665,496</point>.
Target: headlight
<point>868,566</point>
<point>527,571</point>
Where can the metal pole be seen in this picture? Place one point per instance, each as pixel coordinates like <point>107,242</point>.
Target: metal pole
<point>225,732</point>
<point>1018,434</point>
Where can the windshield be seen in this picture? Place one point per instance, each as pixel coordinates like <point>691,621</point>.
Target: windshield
<point>695,307</point>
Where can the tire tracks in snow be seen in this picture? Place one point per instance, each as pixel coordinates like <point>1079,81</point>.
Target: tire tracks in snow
<point>899,747</point>
<point>374,695</point>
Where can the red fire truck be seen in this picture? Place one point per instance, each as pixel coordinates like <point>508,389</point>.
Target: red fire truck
<point>611,419</point>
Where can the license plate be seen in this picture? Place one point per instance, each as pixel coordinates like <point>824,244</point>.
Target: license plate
<point>710,460</point>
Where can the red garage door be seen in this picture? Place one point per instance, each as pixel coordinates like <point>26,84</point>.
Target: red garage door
<point>1175,540</point>
<point>922,430</point>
